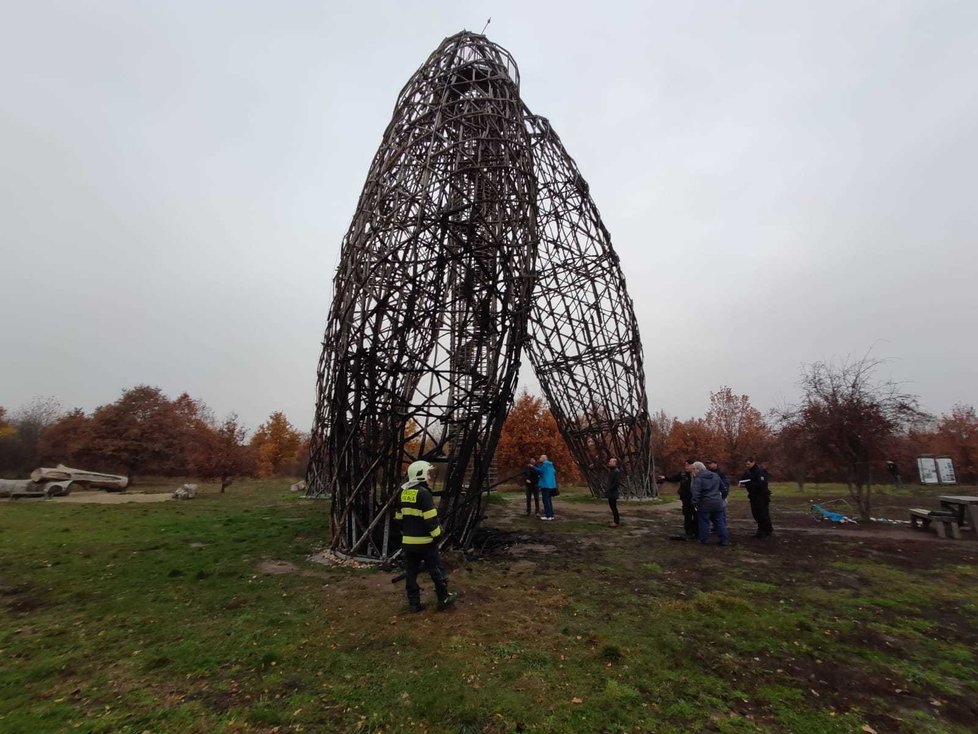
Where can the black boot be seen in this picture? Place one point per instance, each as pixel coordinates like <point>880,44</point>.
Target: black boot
<point>416,606</point>
<point>447,600</point>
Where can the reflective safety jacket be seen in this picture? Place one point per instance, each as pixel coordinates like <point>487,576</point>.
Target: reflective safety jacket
<point>417,514</point>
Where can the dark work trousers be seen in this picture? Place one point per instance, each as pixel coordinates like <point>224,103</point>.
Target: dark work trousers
<point>428,554</point>
<point>534,491</point>
<point>760,508</point>
<point>613,504</point>
<point>690,520</point>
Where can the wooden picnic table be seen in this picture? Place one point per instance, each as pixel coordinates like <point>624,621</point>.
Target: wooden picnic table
<point>964,507</point>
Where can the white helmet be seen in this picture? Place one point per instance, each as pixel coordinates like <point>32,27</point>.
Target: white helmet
<point>418,471</point>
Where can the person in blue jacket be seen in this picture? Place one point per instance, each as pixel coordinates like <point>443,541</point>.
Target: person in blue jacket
<point>547,484</point>
<point>709,499</point>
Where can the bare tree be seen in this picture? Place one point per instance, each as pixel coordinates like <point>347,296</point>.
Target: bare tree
<point>794,451</point>
<point>30,421</point>
<point>661,429</point>
<point>850,417</point>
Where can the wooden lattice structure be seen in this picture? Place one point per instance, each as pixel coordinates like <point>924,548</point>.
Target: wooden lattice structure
<point>474,238</point>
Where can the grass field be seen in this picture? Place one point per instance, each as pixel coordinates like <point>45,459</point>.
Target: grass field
<point>205,616</point>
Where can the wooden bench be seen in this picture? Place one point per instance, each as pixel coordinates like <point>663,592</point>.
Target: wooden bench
<point>921,520</point>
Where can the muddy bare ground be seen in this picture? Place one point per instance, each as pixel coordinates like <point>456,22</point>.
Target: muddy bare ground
<point>802,545</point>
<point>530,570</point>
<point>805,554</point>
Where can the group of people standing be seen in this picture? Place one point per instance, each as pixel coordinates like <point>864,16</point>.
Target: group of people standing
<point>703,491</point>
<point>540,480</point>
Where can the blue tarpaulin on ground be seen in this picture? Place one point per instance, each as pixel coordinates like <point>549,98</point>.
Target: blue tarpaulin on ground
<point>821,513</point>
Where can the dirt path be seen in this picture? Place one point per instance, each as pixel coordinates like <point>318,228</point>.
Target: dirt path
<point>648,514</point>
<point>110,498</point>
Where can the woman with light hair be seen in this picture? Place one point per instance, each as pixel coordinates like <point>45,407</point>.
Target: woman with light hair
<point>709,499</point>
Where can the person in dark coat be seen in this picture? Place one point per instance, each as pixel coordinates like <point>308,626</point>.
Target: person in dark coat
<point>531,479</point>
<point>754,480</point>
<point>614,482</point>
<point>685,480</point>
<point>895,472</point>
<point>709,497</point>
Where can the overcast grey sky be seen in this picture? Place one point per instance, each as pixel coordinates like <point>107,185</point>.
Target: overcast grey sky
<point>784,181</point>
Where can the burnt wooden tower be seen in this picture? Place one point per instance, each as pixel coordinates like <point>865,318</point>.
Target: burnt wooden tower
<point>475,240</point>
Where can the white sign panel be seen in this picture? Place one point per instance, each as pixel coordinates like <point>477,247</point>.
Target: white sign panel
<point>927,469</point>
<point>945,470</point>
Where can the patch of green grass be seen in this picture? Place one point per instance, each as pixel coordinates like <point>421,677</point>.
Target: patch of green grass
<point>158,617</point>
<point>578,497</point>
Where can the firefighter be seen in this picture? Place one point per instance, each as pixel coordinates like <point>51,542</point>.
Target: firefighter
<point>420,532</point>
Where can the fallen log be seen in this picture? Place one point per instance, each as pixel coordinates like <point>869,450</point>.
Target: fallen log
<point>62,473</point>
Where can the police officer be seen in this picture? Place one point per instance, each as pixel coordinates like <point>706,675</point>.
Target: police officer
<point>755,481</point>
<point>419,537</point>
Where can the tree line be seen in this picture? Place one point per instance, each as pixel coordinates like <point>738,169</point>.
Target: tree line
<point>146,433</point>
<point>844,428</point>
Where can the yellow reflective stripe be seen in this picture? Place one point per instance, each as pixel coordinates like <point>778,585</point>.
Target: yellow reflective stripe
<point>412,511</point>
<point>428,514</point>
<point>398,515</point>
<point>436,532</point>
<point>416,540</point>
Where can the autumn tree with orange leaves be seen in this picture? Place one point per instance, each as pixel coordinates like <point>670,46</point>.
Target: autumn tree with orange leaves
<point>737,427</point>
<point>957,436</point>
<point>140,432</point>
<point>8,437</point>
<point>277,445</point>
<point>690,439</point>
<point>64,441</point>
<point>530,430</point>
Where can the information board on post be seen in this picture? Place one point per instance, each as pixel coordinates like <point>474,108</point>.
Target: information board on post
<point>945,470</point>
<point>927,469</point>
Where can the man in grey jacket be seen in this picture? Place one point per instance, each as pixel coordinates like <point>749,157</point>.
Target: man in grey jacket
<point>710,501</point>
